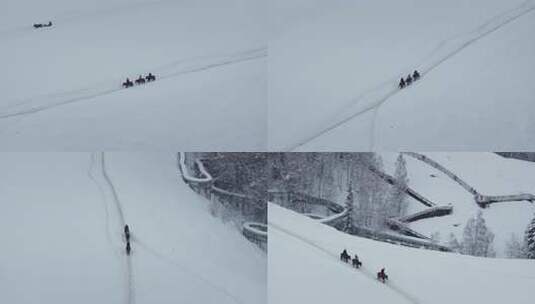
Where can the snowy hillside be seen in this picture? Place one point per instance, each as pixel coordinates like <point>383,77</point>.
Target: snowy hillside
<point>489,174</point>
<point>340,64</point>
<point>61,86</point>
<point>61,222</point>
<point>305,268</point>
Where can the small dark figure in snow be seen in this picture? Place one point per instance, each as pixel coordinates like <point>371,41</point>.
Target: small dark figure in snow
<point>344,256</point>
<point>382,276</point>
<point>49,23</point>
<point>37,25</point>
<point>128,248</point>
<point>356,262</point>
<point>150,77</point>
<point>140,80</point>
<point>416,75</point>
<point>409,80</point>
<point>128,83</point>
<point>402,83</point>
<point>127,233</point>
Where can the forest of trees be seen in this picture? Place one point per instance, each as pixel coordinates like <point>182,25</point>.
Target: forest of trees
<point>343,178</point>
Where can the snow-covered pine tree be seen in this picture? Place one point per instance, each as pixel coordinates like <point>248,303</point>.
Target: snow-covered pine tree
<point>398,196</point>
<point>529,240</point>
<point>454,244</point>
<point>513,248</point>
<point>349,206</point>
<point>477,238</point>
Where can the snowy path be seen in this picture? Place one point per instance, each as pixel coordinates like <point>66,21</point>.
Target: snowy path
<point>105,185</point>
<point>333,256</point>
<point>173,69</point>
<point>373,98</point>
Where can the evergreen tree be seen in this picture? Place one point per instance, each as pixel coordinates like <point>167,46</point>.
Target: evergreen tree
<point>398,198</point>
<point>513,248</point>
<point>477,238</point>
<point>349,206</point>
<point>454,244</point>
<point>529,240</point>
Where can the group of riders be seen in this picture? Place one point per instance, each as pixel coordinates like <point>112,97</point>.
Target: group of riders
<point>345,257</point>
<point>404,82</point>
<point>140,80</point>
<point>127,236</point>
<point>39,25</point>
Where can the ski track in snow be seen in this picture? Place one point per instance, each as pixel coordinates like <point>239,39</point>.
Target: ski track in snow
<point>174,69</point>
<point>101,161</point>
<point>190,272</point>
<point>377,96</point>
<point>369,274</point>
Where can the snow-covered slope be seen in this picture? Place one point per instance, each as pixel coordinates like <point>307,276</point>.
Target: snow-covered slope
<point>61,86</point>
<point>61,231</point>
<point>489,174</point>
<point>305,268</point>
<point>343,63</point>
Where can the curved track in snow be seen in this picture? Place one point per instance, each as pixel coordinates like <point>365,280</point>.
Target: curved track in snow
<point>100,176</point>
<point>363,270</point>
<point>170,70</point>
<point>374,98</point>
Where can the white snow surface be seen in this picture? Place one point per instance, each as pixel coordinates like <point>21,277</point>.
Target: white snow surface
<point>334,69</point>
<point>61,232</point>
<point>488,173</point>
<point>61,86</point>
<point>304,267</point>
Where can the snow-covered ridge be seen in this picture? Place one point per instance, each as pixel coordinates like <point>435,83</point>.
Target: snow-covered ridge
<point>204,185</point>
<point>481,200</point>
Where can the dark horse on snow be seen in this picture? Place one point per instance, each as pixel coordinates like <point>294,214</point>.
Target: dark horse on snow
<point>150,77</point>
<point>128,83</point>
<point>39,25</point>
<point>356,263</point>
<point>382,276</point>
<point>344,256</point>
<point>140,80</point>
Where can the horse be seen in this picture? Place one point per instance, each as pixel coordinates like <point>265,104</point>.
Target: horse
<point>150,77</point>
<point>127,233</point>
<point>402,83</point>
<point>127,84</point>
<point>409,79</point>
<point>344,257</point>
<point>416,75</point>
<point>382,276</point>
<point>356,262</point>
<point>37,25</point>
<point>128,248</point>
<point>140,80</point>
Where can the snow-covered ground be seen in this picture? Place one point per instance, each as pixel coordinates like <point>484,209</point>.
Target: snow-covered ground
<point>61,225</point>
<point>334,69</point>
<point>61,86</point>
<point>489,174</point>
<point>304,267</point>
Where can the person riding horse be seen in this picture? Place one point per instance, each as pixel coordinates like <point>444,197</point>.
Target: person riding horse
<point>344,256</point>
<point>415,75</point>
<point>409,79</point>
<point>402,83</point>
<point>356,262</point>
<point>150,77</point>
<point>128,83</point>
<point>140,80</point>
<point>382,276</point>
<point>127,233</point>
